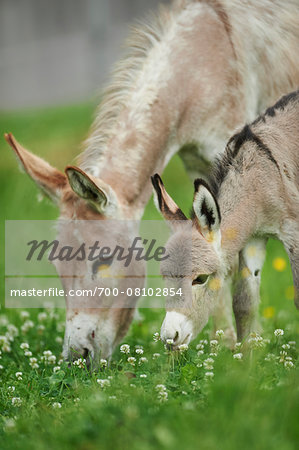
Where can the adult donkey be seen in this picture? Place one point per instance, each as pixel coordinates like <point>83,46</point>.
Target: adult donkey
<point>191,75</point>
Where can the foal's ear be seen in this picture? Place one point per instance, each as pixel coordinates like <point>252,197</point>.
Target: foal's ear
<point>92,189</point>
<point>49,179</point>
<point>164,202</point>
<point>206,210</point>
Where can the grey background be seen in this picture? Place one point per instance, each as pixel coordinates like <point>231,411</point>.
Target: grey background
<point>61,51</point>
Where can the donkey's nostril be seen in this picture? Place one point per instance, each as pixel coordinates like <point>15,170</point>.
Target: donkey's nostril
<point>85,353</point>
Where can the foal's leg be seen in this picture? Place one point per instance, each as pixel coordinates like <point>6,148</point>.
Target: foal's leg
<point>223,315</point>
<point>247,287</point>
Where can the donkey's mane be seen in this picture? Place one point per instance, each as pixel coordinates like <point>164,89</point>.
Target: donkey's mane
<point>144,35</point>
<point>225,162</point>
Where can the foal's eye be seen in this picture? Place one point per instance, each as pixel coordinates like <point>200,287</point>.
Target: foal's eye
<point>201,279</point>
<point>100,264</point>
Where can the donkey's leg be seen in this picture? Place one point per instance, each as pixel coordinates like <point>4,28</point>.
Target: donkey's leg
<point>247,287</point>
<point>223,315</point>
<point>292,248</point>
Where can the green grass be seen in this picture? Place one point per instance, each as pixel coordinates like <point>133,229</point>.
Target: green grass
<point>249,403</point>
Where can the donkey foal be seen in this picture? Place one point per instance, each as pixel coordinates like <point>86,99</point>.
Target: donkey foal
<point>253,192</point>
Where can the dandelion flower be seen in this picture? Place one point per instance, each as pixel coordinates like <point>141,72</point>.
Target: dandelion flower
<point>279,264</point>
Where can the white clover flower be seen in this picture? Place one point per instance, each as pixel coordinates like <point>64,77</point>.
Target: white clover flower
<point>169,341</point>
<point>33,360</point>
<point>183,348</point>
<point>131,360</point>
<point>238,346</point>
<point>292,343</point>
<point>163,396</point>
<point>270,357</point>
<point>209,375</point>
<point>26,326</point>
<point>47,353</point>
<point>278,332</point>
<point>16,401</point>
<point>3,321</point>
<point>193,382</point>
<point>160,388</point>
<point>219,333</point>
<point>59,340</point>
<point>1,367</point>
<point>133,385</point>
<point>40,328</point>
<point>52,359</point>
<point>184,393</point>
<point>200,352</point>
<point>238,356</point>
<point>214,342</point>
<point>60,361</point>
<point>110,377</point>
<point>19,376</point>
<point>80,362</point>
<point>103,362</point>
<point>142,360</point>
<point>9,424</point>
<point>200,347</point>
<point>203,342</point>
<point>24,346</point>
<point>41,317</point>
<point>288,364</point>
<point>24,315</point>
<point>6,348</point>
<point>33,363</point>
<point>112,397</point>
<point>156,337</point>
<point>212,354</point>
<point>27,353</point>
<point>125,348</point>
<point>12,330</point>
<point>103,383</point>
<point>143,375</point>
<point>156,355</point>
<point>56,405</point>
<point>77,400</point>
<point>256,341</point>
<point>4,343</point>
<point>286,346</point>
<point>11,388</point>
<point>139,351</point>
<point>283,356</point>
<point>56,369</point>
<point>208,364</point>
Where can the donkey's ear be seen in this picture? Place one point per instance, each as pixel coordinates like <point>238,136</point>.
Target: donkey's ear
<point>206,210</point>
<point>49,179</point>
<point>92,189</point>
<point>164,202</point>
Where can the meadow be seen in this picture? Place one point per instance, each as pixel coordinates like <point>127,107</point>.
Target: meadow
<point>204,396</point>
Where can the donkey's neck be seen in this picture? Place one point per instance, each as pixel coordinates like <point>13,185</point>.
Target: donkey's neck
<point>240,216</point>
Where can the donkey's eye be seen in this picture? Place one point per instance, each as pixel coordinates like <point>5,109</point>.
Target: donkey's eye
<point>201,279</point>
<point>100,264</point>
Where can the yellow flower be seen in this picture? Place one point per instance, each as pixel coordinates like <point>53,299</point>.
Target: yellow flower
<point>290,293</point>
<point>279,264</point>
<point>269,312</point>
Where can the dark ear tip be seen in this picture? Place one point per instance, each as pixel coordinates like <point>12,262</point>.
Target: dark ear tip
<point>197,183</point>
<point>156,180</point>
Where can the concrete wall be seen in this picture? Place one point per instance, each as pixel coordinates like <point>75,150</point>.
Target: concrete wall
<point>60,51</point>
